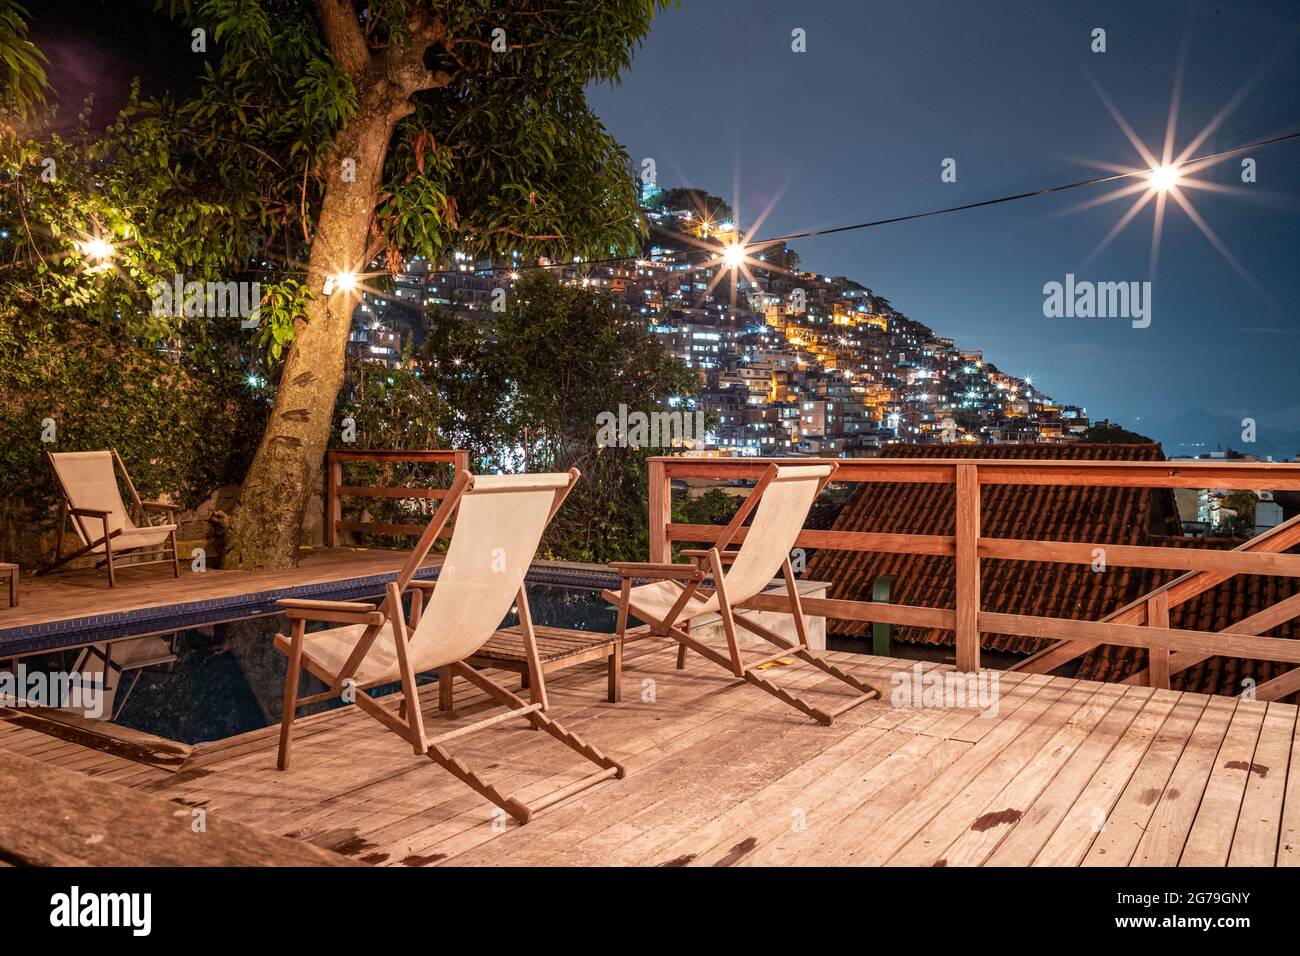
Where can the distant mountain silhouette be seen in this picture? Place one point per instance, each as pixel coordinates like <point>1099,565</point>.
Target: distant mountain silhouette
<point>1197,432</point>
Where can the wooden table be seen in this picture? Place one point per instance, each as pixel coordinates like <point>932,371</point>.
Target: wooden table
<point>557,648</point>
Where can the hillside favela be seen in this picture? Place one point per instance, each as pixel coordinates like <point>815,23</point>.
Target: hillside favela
<point>789,362</point>
<point>469,438</point>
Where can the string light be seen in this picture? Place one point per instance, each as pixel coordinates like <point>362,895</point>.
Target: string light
<point>97,249</point>
<point>1045,191</point>
<point>1163,178</point>
<point>340,282</point>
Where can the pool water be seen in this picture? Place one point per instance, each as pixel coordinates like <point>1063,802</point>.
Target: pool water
<point>228,679</point>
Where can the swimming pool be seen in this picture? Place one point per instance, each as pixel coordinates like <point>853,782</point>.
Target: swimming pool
<point>228,678</point>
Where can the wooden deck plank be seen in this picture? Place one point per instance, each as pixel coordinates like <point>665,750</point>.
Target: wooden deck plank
<point>905,824</point>
<point>1171,820</point>
<point>1131,815</point>
<point>1074,835</point>
<point>973,807</point>
<point>656,767</point>
<point>1255,840</point>
<point>983,834</point>
<point>575,831</point>
<point>723,774</point>
<point>1039,821</point>
<point>1288,841</point>
<point>1210,839</point>
<point>857,817</point>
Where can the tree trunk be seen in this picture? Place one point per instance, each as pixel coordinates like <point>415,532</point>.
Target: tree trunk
<point>266,527</point>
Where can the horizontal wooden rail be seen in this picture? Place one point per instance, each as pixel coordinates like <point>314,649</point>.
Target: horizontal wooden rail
<point>335,490</point>
<point>871,611</point>
<point>1132,635</point>
<point>447,456</point>
<point>1134,556</point>
<point>1108,474</point>
<point>834,540</point>
<point>1179,590</point>
<point>374,491</point>
<point>1130,626</point>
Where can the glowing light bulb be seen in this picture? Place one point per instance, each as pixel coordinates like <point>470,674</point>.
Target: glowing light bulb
<point>1163,178</point>
<point>340,282</point>
<point>733,255</point>
<point>97,249</point>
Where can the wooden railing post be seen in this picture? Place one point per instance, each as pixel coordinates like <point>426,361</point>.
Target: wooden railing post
<point>661,512</point>
<point>1158,657</point>
<point>333,506</point>
<point>460,463</point>
<point>968,568</point>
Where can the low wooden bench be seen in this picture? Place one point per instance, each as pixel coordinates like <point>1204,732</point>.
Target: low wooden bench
<point>557,648</point>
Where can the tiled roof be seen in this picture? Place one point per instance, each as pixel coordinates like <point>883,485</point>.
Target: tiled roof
<point>1214,610</point>
<point>1067,513</point>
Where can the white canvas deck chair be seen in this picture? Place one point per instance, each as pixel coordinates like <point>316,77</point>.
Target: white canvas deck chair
<point>779,503</point>
<point>93,500</point>
<point>499,524</point>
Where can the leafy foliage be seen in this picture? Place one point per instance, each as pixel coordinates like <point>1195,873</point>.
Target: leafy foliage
<point>715,506</point>
<point>181,431</point>
<point>704,205</point>
<point>504,156</point>
<point>22,71</point>
<point>1108,433</point>
<point>521,390</point>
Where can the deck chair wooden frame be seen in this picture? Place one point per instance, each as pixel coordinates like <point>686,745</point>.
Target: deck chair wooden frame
<point>94,526</point>
<point>408,722</point>
<point>689,578</point>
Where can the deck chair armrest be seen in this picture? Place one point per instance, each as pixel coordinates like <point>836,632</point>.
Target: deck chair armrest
<point>346,612</point>
<point>699,553</point>
<point>422,584</point>
<point>158,506</point>
<point>657,571</point>
<point>89,512</point>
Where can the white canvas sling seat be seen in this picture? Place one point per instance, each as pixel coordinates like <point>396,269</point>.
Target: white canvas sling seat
<point>779,504</point>
<point>92,499</point>
<point>499,521</point>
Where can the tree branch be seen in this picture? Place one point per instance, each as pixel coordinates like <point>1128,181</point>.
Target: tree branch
<point>343,35</point>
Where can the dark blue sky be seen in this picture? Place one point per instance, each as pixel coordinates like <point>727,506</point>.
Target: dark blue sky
<point>856,129</point>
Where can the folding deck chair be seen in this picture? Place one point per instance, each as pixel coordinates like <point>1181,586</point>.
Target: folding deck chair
<point>779,503</point>
<point>499,524</point>
<point>92,498</point>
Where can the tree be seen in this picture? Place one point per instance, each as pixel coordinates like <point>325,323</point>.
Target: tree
<point>1238,514</point>
<point>701,204</point>
<point>75,325</point>
<point>1108,433</point>
<point>523,390</point>
<point>341,132</point>
<point>22,74</point>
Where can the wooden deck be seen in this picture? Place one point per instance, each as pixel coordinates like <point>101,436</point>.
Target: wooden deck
<point>1067,773</point>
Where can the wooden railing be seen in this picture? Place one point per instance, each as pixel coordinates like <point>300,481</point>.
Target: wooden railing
<point>335,490</point>
<point>1143,624</point>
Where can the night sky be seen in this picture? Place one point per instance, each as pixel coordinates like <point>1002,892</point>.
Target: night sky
<point>856,128</point>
